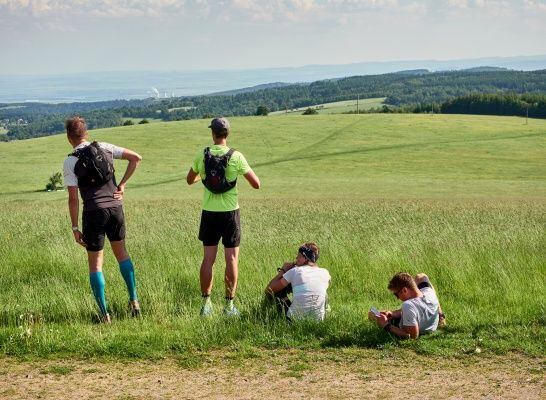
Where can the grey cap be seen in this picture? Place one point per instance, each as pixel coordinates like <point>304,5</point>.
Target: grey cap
<point>218,124</point>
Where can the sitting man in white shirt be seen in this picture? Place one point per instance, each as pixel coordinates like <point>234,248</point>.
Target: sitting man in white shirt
<point>420,311</point>
<point>306,281</point>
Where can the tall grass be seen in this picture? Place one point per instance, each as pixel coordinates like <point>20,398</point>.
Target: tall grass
<point>477,231</point>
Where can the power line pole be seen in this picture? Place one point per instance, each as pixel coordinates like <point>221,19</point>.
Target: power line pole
<point>357,99</point>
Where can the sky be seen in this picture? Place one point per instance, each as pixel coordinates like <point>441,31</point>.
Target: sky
<point>55,36</point>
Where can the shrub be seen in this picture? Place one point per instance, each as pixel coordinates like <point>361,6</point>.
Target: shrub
<point>262,110</point>
<point>310,111</point>
<point>55,182</point>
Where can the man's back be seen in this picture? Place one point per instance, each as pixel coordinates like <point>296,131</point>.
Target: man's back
<point>309,285</point>
<point>227,201</point>
<point>421,311</point>
<point>94,197</point>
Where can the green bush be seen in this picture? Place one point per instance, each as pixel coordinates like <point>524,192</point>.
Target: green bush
<point>310,111</point>
<point>55,182</point>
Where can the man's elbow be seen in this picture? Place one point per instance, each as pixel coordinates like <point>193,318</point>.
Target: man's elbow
<point>256,184</point>
<point>412,335</point>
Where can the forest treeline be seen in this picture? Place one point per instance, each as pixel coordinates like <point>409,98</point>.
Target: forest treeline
<point>465,92</point>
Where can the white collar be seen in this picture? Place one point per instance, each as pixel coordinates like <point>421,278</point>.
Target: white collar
<point>81,145</point>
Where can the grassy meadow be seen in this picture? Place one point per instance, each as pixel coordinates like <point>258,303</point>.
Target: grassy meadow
<point>338,107</point>
<point>462,198</point>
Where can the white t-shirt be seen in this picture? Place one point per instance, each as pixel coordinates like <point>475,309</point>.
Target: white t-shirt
<point>309,285</point>
<point>70,178</point>
<point>421,311</point>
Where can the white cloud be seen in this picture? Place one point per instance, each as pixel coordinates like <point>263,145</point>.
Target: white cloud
<point>535,5</point>
<point>267,10</point>
<point>458,3</point>
<point>271,10</point>
<point>110,8</point>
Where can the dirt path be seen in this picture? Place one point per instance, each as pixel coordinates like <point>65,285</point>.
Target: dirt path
<point>281,374</point>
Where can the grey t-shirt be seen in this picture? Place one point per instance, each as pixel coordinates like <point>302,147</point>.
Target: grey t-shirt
<point>421,311</point>
<point>94,197</point>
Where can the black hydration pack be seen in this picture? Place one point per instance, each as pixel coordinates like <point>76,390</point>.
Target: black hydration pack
<point>94,167</point>
<point>215,172</point>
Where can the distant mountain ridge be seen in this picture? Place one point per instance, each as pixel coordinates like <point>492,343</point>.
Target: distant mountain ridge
<point>485,69</point>
<point>130,85</point>
<point>252,88</point>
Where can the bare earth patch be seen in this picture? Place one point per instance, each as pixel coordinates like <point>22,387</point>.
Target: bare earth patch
<point>252,374</point>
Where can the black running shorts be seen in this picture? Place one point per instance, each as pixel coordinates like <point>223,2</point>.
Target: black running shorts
<point>104,221</point>
<point>220,224</point>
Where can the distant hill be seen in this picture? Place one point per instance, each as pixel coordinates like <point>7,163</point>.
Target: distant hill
<point>485,69</point>
<point>252,89</point>
<point>413,72</point>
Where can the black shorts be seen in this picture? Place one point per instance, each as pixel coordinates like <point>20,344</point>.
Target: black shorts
<point>97,223</point>
<point>220,224</point>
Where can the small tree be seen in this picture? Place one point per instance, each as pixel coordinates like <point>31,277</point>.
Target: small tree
<point>310,111</point>
<point>144,121</point>
<point>262,110</point>
<point>55,182</point>
<point>128,122</point>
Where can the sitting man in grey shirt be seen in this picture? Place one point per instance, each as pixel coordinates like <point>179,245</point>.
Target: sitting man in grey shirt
<point>420,311</point>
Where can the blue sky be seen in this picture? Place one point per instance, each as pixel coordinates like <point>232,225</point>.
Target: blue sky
<point>54,36</point>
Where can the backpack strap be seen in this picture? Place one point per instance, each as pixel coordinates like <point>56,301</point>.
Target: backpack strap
<point>230,153</point>
<point>75,153</point>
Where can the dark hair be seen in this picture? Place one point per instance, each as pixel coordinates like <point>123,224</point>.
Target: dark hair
<point>220,133</point>
<point>76,128</point>
<point>402,280</point>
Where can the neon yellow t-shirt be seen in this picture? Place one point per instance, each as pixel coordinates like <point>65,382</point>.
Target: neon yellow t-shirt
<point>237,165</point>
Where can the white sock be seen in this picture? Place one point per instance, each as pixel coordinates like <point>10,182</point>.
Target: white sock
<point>229,303</point>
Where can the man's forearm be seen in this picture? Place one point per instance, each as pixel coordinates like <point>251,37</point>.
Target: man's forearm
<point>399,332</point>
<point>74,210</point>
<point>396,314</point>
<point>268,289</point>
<point>131,167</point>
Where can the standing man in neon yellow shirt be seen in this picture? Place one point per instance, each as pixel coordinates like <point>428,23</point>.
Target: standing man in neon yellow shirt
<point>218,167</point>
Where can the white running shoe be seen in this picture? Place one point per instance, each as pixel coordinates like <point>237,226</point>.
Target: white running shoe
<point>134,308</point>
<point>231,311</point>
<point>206,309</point>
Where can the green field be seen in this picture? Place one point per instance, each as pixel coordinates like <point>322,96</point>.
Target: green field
<point>338,107</point>
<point>462,198</point>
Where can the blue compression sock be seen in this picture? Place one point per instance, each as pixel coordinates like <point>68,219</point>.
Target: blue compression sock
<point>128,272</point>
<point>97,285</point>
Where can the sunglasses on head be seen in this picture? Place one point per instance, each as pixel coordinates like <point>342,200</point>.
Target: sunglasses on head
<point>308,253</point>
